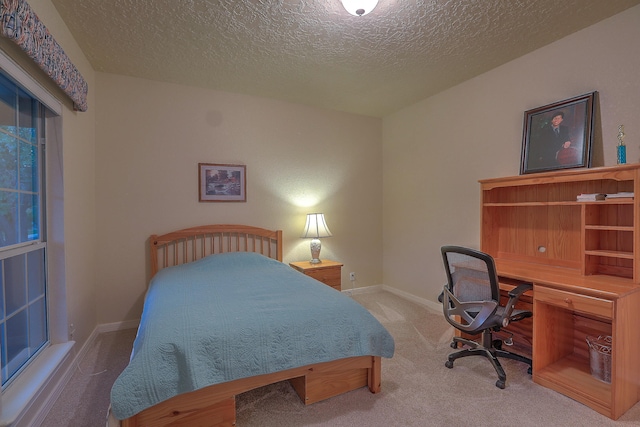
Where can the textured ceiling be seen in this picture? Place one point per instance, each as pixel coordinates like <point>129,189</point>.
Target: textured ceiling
<point>313,52</point>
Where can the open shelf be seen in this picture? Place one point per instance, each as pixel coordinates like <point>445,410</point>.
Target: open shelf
<point>611,254</point>
<point>572,375</point>
<point>608,227</point>
<point>616,202</point>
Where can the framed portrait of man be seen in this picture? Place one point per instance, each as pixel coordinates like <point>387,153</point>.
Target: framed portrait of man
<point>558,135</point>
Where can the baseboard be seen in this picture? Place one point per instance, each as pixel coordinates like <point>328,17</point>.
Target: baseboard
<point>117,326</point>
<point>410,297</point>
<point>362,290</point>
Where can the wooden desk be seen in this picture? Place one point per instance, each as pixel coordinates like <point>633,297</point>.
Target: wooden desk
<point>583,259</point>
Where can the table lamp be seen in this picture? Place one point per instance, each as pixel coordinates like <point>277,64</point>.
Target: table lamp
<point>316,227</point>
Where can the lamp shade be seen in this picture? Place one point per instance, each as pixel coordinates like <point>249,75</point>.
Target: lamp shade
<point>359,7</point>
<point>316,227</point>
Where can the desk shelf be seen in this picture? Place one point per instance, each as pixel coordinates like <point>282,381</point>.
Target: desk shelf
<point>611,254</point>
<point>608,228</point>
<point>617,202</point>
<point>572,376</point>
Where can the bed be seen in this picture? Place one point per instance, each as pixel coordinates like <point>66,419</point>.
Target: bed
<point>224,315</point>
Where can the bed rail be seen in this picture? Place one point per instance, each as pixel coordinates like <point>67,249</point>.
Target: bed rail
<point>191,244</point>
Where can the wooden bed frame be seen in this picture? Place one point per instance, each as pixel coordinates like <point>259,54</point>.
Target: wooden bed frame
<point>215,405</point>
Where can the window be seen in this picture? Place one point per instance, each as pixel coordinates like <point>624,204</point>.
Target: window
<point>23,250</point>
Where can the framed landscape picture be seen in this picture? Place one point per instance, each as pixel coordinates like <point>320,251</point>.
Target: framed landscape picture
<point>558,135</point>
<point>222,183</point>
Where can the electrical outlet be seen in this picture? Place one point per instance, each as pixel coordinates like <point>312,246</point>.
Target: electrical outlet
<point>352,276</point>
<point>72,330</point>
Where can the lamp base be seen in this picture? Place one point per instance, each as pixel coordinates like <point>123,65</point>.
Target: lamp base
<point>315,251</point>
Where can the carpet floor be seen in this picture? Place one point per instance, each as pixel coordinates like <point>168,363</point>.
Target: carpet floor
<point>417,389</point>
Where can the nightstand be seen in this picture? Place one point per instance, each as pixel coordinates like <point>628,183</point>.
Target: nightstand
<point>328,272</point>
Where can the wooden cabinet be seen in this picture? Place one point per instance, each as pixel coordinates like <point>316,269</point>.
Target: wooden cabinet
<point>583,259</point>
<point>561,359</point>
<point>328,272</point>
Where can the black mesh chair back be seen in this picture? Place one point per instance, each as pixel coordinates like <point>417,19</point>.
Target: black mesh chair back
<point>472,294</point>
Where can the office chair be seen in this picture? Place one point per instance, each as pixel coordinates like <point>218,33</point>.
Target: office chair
<point>471,303</point>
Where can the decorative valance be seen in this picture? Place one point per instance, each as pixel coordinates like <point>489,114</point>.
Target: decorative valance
<point>20,24</point>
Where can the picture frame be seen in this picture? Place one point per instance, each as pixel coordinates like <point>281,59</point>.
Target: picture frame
<point>222,182</point>
<point>559,135</point>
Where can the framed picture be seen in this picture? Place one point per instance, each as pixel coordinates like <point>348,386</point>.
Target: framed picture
<point>558,135</point>
<point>222,183</point>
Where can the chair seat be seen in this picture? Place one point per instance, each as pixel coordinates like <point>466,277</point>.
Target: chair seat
<point>494,321</point>
<point>516,314</point>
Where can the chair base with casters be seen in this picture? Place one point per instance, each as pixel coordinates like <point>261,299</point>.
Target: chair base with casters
<point>489,348</point>
<point>471,303</point>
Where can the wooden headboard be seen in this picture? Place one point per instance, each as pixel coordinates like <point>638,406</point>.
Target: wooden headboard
<point>191,244</point>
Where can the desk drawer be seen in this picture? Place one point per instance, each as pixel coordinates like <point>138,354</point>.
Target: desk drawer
<point>572,301</point>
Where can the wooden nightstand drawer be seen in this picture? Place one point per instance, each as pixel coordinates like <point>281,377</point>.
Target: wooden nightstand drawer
<point>328,276</point>
<point>327,272</point>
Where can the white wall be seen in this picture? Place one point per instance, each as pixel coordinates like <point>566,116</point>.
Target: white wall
<point>435,151</point>
<point>151,137</point>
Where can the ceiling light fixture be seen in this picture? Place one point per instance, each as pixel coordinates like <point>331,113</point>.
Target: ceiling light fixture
<point>359,7</point>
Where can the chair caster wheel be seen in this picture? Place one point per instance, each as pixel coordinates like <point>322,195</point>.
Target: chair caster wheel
<point>448,364</point>
<point>497,344</point>
<point>500,384</point>
<point>453,345</point>
<point>530,370</point>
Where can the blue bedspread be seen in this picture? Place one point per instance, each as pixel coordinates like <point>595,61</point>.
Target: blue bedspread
<point>236,315</point>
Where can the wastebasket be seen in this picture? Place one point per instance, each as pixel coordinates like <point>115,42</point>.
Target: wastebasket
<point>600,357</point>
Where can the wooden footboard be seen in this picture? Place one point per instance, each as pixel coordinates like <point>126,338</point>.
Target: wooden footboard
<point>215,405</point>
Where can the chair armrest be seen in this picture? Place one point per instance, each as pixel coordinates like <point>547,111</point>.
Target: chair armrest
<point>520,289</point>
<point>514,295</point>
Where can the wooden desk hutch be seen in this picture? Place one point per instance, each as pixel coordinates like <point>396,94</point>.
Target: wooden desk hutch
<point>583,259</point>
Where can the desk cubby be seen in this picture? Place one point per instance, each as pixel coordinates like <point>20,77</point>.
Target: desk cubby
<point>583,259</point>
